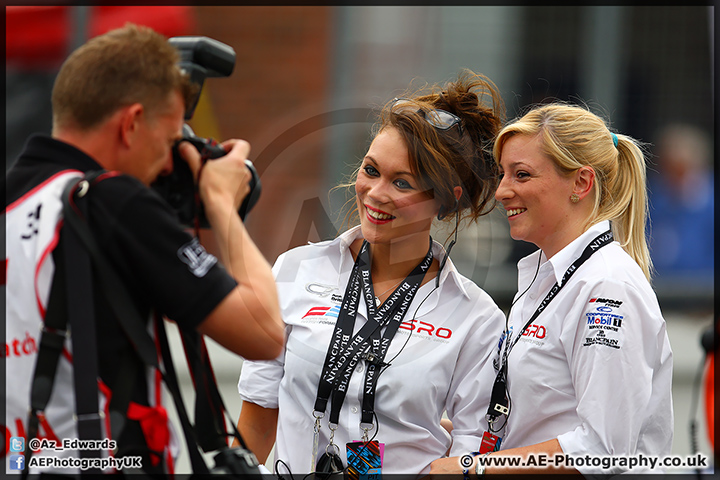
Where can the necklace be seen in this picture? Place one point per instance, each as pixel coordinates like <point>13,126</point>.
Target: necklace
<point>377,297</point>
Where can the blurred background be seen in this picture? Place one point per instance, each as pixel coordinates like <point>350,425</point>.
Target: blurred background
<point>307,81</point>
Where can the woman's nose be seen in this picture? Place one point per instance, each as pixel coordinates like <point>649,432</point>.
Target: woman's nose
<point>503,190</point>
<point>378,191</point>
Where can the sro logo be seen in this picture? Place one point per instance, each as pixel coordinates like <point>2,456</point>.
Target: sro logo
<point>428,328</point>
<point>537,331</point>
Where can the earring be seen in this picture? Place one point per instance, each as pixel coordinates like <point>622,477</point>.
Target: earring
<point>574,198</point>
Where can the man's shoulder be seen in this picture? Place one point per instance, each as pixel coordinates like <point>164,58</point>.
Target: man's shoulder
<point>119,190</point>
<point>117,181</point>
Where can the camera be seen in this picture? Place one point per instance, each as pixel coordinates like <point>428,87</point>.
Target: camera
<point>200,57</point>
<point>236,461</point>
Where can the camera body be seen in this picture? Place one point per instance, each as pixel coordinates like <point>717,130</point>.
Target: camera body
<point>200,57</point>
<point>179,190</point>
<point>236,461</point>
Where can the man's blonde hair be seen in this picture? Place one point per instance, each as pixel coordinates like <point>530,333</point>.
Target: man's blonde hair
<point>128,65</point>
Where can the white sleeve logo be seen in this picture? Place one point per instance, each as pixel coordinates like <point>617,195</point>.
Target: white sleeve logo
<point>198,260</point>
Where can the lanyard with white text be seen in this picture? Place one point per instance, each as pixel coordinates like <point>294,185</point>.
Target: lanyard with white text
<point>498,399</point>
<point>380,344</point>
<point>345,349</point>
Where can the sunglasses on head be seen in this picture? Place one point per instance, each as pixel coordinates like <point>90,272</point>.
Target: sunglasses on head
<point>440,119</point>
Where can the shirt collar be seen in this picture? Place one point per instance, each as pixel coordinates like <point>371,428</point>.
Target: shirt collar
<point>349,236</point>
<point>562,260</point>
<point>55,151</point>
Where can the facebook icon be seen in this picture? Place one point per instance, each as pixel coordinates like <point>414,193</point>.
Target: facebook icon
<point>17,462</point>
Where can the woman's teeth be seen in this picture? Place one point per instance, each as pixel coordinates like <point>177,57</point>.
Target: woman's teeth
<point>379,216</point>
<point>515,211</point>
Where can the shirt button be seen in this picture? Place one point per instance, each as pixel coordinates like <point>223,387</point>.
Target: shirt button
<point>354,409</point>
<point>532,295</point>
<point>360,367</point>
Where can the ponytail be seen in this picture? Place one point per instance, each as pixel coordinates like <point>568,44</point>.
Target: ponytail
<point>625,202</point>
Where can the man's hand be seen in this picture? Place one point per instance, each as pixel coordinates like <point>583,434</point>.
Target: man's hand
<point>224,181</point>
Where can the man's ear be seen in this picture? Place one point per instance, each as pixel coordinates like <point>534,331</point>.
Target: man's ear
<point>584,181</point>
<point>130,118</point>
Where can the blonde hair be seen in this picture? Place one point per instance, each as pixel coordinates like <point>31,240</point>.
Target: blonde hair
<point>574,137</point>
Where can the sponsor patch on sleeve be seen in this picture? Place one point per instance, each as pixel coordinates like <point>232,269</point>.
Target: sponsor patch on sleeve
<point>604,323</point>
<point>198,260</point>
<point>605,302</point>
<point>600,338</point>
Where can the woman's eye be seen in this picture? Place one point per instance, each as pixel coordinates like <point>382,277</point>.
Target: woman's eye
<point>403,184</point>
<point>370,170</point>
<point>522,174</point>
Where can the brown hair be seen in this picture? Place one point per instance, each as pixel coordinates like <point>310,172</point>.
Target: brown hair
<point>132,64</point>
<point>442,160</point>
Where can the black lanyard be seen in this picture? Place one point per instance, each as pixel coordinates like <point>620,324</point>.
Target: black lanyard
<point>346,350</point>
<point>499,400</point>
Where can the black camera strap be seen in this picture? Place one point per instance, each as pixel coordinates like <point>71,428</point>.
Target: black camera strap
<point>130,320</point>
<point>170,378</point>
<point>51,344</point>
<point>52,341</point>
<point>81,317</point>
<point>209,431</point>
<point>76,309</point>
<point>209,407</point>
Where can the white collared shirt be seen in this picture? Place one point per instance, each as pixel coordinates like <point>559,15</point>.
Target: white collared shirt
<point>441,359</point>
<point>594,369</point>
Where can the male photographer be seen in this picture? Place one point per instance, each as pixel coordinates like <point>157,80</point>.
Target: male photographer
<point>118,105</point>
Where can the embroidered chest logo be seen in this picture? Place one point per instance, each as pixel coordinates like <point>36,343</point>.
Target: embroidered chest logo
<point>321,315</point>
<point>534,334</point>
<point>425,330</point>
<point>320,289</point>
<point>198,260</point>
<point>323,312</point>
<point>535,331</point>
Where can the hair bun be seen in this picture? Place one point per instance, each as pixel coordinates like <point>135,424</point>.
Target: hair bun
<point>446,161</point>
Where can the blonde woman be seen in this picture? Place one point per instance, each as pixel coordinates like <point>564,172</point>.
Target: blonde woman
<point>586,364</point>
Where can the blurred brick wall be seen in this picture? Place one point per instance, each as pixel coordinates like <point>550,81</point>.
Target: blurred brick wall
<point>281,79</point>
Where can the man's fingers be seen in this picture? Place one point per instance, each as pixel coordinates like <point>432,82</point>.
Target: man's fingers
<point>237,147</point>
<point>191,156</point>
